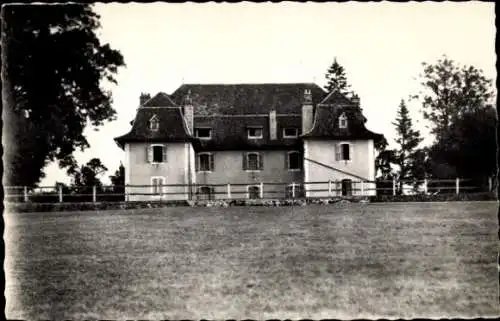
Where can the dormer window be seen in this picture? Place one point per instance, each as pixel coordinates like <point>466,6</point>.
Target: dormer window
<point>203,133</point>
<point>343,121</point>
<point>290,133</point>
<point>254,132</point>
<point>154,124</point>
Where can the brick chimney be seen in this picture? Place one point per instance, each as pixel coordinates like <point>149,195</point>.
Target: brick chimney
<point>355,100</point>
<point>273,130</point>
<point>143,98</point>
<point>189,112</point>
<point>307,111</point>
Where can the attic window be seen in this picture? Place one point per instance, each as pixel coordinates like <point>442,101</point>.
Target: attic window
<point>203,133</point>
<point>290,132</point>
<point>343,121</point>
<point>254,132</point>
<point>154,124</point>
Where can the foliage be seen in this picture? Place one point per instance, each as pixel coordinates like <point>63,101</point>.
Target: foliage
<point>55,67</point>
<point>449,91</point>
<point>87,175</point>
<point>457,100</point>
<point>337,80</point>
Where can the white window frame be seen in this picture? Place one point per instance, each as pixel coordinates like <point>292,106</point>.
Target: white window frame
<point>297,187</point>
<point>260,190</point>
<point>199,162</point>
<point>288,161</point>
<point>255,137</point>
<point>205,138</point>
<point>162,187</point>
<point>154,120</point>
<point>248,163</point>
<point>291,136</point>
<point>343,121</point>
<point>339,146</point>
<point>152,146</point>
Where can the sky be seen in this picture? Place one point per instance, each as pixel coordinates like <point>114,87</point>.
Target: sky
<point>380,45</point>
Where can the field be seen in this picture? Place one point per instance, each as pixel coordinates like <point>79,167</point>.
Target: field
<point>336,261</point>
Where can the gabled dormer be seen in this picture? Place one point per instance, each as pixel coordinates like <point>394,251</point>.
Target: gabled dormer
<point>154,123</point>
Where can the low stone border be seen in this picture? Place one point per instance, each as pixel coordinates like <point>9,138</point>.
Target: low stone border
<point>60,207</point>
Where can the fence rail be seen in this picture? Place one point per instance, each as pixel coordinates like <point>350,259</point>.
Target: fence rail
<point>228,191</point>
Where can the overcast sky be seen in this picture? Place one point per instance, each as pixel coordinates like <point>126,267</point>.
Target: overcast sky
<point>381,46</point>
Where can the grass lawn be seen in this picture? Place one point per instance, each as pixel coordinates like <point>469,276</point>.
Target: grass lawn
<point>338,261</point>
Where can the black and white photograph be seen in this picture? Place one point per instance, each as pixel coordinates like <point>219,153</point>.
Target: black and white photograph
<point>285,160</point>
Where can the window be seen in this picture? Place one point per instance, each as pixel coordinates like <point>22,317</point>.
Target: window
<point>154,124</point>
<point>205,162</point>
<point>157,185</point>
<point>254,132</point>
<point>252,162</point>
<point>294,160</point>
<point>290,132</point>
<point>157,154</point>
<point>294,190</point>
<point>343,121</point>
<point>343,152</point>
<point>253,192</point>
<point>346,187</point>
<point>203,133</point>
<point>205,193</point>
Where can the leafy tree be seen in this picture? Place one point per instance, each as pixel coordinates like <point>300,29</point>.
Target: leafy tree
<point>449,91</point>
<point>384,160</point>
<point>87,176</point>
<point>54,66</point>
<point>408,140</point>
<point>337,80</point>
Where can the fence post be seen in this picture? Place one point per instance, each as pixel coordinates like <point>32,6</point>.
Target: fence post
<point>94,194</point>
<point>26,194</point>
<point>489,184</point>
<point>261,190</point>
<point>457,185</point>
<point>229,191</point>
<point>329,187</point>
<point>425,186</point>
<point>60,194</point>
<point>362,188</point>
<point>293,189</point>
<point>393,186</point>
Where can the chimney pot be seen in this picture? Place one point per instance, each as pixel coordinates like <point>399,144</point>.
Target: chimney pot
<point>143,98</point>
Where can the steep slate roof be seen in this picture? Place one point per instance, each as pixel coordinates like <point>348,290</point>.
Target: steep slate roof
<point>161,99</point>
<point>326,124</point>
<point>171,129</point>
<point>231,99</point>
<point>230,133</point>
<point>336,98</point>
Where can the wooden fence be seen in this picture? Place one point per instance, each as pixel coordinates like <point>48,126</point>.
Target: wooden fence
<point>229,191</point>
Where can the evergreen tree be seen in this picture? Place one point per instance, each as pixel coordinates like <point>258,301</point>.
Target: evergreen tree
<point>337,80</point>
<point>407,156</point>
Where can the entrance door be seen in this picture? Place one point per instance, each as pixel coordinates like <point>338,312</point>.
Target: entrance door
<point>346,187</point>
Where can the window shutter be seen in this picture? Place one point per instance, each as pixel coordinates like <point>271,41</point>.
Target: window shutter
<point>164,150</point>
<point>212,163</point>
<point>244,161</point>
<point>197,162</point>
<point>149,154</point>
<point>337,152</point>
<point>287,160</point>
<point>261,161</point>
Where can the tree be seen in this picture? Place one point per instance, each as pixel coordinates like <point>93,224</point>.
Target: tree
<point>408,140</point>
<point>87,176</point>
<point>53,66</point>
<point>337,79</point>
<point>118,179</point>
<point>449,91</point>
